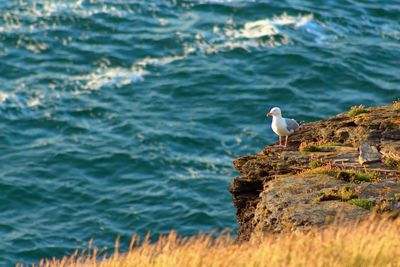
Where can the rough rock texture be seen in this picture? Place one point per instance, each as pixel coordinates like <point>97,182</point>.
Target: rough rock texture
<point>368,154</point>
<point>287,189</point>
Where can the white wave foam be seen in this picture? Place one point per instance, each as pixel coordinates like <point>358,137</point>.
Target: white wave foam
<point>54,8</point>
<point>15,20</point>
<point>250,34</point>
<point>268,27</point>
<point>33,102</point>
<point>19,100</point>
<point>51,8</point>
<point>246,44</point>
<point>283,19</point>
<point>11,23</point>
<point>258,29</point>
<point>106,76</point>
<point>304,20</point>
<point>110,77</point>
<point>150,61</point>
<point>119,77</point>
<point>3,97</point>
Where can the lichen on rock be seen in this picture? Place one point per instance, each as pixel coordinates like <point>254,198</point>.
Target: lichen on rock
<point>283,189</point>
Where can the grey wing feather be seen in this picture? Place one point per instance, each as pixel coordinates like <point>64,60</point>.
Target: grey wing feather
<point>291,125</point>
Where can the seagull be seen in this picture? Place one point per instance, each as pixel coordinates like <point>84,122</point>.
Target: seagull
<point>282,126</point>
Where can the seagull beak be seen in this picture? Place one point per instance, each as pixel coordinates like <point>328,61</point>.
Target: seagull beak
<point>269,114</point>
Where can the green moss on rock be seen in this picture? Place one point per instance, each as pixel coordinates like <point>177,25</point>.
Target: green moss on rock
<point>364,203</point>
<point>354,176</point>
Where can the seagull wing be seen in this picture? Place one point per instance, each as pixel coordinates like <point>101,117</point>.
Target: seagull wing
<point>291,125</point>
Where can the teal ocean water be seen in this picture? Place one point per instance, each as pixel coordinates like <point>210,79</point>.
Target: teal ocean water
<point>120,117</point>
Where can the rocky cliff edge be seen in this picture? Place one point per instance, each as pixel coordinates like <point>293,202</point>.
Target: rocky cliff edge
<point>344,167</point>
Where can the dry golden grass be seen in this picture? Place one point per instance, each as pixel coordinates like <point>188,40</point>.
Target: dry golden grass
<point>325,169</point>
<point>371,243</point>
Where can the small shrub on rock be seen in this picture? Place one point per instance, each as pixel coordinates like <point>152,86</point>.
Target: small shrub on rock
<point>391,163</point>
<point>364,203</point>
<point>356,176</point>
<point>357,110</point>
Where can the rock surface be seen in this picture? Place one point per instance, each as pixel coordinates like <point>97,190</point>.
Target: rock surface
<point>318,178</point>
<point>368,154</point>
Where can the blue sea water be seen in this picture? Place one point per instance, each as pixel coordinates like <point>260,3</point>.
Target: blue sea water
<point>120,117</point>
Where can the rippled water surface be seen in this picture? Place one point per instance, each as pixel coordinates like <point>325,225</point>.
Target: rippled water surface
<point>118,117</point>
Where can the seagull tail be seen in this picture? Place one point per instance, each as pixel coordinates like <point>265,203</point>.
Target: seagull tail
<point>300,122</point>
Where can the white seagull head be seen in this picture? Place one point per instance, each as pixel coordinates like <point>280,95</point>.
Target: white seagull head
<point>275,112</point>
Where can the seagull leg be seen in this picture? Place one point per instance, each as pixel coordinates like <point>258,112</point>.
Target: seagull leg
<point>280,142</point>
<point>287,137</point>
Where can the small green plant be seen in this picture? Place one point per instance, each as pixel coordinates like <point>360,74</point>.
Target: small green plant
<point>319,148</point>
<point>354,176</point>
<point>310,149</point>
<point>357,110</point>
<point>322,170</point>
<point>315,164</point>
<point>362,202</point>
<point>331,172</point>
<point>346,193</point>
<point>396,105</point>
<point>343,194</point>
<point>391,163</point>
<point>351,176</point>
<point>363,177</point>
<point>397,196</point>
